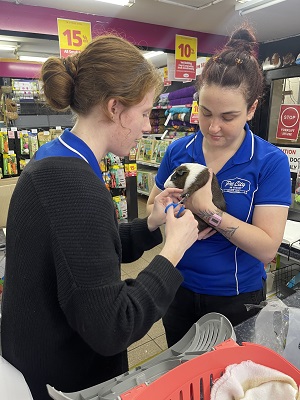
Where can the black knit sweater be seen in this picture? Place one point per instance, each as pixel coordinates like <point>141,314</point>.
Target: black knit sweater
<point>67,317</point>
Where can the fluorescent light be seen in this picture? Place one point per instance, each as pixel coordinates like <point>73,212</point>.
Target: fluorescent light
<point>7,47</point>
<point>254,5</point>
<point>174,3</point>
<point>198,8</point>
<point>33,58</point>
<point>127,3</point>
<point>152,54</point>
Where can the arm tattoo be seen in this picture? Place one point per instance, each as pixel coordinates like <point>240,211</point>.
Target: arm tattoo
<point>228,232</point>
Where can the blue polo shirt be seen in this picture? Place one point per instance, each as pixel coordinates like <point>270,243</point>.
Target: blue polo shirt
<point>69,145</point>
<point>258,174</point>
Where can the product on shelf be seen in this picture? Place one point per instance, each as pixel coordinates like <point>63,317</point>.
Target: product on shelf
<point>113,173</point>
<point>145,149</point>
<point>44,137</point>
<point>120,206</point>
<point>4,142</point>
<point>24,142</point>
<point>145,181</point>
<point>161,149</point>
<point>152,150</point>
<point>55,133</point>
<point>33,143</point>
<point>9,164</point>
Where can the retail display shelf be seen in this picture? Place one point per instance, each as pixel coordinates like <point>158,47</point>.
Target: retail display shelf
<point>143,192</point>
<point>169,106</point>
<point>149,164</point>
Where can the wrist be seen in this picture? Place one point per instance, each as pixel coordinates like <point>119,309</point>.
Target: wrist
<point>152,226</point>
<point>212,216</point>
<point>215,220</point>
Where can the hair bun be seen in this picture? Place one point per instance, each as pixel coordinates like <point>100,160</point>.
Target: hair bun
<point>71,64</point>
<point>243,39</point>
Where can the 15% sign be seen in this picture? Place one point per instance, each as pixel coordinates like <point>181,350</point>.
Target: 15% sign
<point>73,36</point>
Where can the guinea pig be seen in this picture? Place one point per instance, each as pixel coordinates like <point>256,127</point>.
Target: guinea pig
<point>191,177</point>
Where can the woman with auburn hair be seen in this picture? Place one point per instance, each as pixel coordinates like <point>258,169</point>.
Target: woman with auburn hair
<point>67,316</point>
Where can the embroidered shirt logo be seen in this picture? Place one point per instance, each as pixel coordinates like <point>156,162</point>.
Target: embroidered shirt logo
<point>236,185</point>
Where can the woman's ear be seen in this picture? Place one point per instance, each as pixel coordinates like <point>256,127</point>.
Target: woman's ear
<point>112,108</point>
<point>252,110</point>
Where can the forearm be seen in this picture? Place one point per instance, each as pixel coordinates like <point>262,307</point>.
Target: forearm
<point>248,237</point>
<point>136,237</point>
<point>149,208</point>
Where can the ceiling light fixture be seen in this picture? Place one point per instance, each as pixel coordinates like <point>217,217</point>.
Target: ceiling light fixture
<point>33,58</point>
<point>152,54</point>
<point>198,8</point>
<point>249,6</point>
<point>7,47</point>
<point>127,3</point>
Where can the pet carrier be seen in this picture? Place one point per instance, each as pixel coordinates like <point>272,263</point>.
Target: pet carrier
<point>209,331</point>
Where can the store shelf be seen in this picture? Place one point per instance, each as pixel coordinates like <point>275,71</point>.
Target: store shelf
<point>149,164</point>
<point>169,106</point>
<point>142,192</point>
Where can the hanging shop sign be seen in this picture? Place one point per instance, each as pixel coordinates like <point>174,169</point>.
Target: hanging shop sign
<point>200,64</point>
<point>194,119</point>
<point>288,122</point>
<point>73,36</point>
<point>293,154</point>
<point>185,57</point>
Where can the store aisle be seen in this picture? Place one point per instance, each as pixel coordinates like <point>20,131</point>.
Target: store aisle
<point>154,342</point>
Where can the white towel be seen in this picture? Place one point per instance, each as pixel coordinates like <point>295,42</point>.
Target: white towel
<point>251,381</point>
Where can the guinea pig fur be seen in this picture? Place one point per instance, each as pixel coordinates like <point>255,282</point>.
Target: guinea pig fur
<point>191,177</point>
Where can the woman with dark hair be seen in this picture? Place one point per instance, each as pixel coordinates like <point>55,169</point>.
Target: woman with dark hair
<point>226,270</point>
<point>67,317</point>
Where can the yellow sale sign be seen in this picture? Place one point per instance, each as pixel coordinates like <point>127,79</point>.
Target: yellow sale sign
<point>73,36</point>
<point>166,81</point>
<point>185,57</point>
<point>194,119</point>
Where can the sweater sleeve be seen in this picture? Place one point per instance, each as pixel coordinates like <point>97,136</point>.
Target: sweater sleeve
<point>136,238</point>
<point>108,313</point>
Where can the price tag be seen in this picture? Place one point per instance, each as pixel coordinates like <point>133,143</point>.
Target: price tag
<point>185,57</point>
<point>73,36</point>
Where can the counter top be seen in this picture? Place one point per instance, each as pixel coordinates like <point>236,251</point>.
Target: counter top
<point>245,332</point>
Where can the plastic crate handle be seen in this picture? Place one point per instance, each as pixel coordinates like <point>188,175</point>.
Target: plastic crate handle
<point>226,344</point>
<point>130,394</point>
